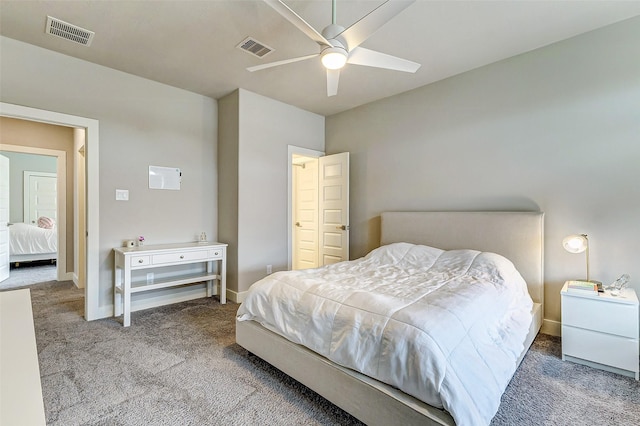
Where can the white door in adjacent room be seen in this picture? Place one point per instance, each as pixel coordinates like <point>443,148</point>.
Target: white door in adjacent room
<point>305,212</point>
<point>4,218</point>
<point>334,208</point>
<point>40,196</point>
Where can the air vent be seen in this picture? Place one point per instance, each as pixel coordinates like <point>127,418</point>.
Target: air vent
<point>254,47</point>
<point>68,31</point>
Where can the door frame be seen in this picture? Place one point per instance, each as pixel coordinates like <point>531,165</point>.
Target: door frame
<point>92,309</point>
<point>291,151</point>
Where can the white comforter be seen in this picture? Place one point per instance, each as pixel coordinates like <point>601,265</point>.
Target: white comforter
<point>30,239</point>
<point>446,327</point>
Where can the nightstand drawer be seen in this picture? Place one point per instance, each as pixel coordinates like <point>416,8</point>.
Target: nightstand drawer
<point>602,348</point>
<point>600,315</point>
<point>186,256</point>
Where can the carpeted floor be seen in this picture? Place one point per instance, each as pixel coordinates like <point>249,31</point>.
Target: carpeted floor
<point>29,273</point>
<point>180,365</point>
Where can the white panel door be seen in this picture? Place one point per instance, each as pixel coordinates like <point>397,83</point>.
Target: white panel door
<point>40,196</point>
<point>334,208</point>
<point>4,218</point>
<point>305,215</point>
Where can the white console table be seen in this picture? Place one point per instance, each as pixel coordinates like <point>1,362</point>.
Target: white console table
<point>129,259</point>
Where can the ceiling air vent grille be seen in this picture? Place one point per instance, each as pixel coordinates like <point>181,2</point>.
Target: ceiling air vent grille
<point>68,31</point>
<point>254,47</point>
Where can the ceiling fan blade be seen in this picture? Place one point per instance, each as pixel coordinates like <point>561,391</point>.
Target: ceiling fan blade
<point>283,62</point>
<point>369,24</point>
<point>371,58</point>
<point>333,76</point>
<point>296,20</point>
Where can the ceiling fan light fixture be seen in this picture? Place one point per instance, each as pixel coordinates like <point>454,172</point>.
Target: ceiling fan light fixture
<point>334,58</point>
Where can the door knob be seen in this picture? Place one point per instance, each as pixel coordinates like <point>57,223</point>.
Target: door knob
<point>298,225</point>
<point>342,227</point>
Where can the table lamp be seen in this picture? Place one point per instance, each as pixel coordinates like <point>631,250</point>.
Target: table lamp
<point>578,243</point>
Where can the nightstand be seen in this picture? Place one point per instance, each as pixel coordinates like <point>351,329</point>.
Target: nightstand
<point>601,331</point>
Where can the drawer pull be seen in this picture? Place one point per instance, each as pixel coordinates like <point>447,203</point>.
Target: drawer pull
<point>140,261</point>
<point>181,256</point>
<point>215,254</point>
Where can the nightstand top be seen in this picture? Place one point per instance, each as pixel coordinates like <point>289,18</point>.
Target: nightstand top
<point>627,296</point>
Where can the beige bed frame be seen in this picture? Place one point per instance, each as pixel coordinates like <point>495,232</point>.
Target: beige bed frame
<point>515,235</point>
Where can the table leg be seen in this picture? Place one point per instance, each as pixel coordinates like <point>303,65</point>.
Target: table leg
<point>209,282</point>
<point>223,280</point>
<point>117,295</point>
<point>126,304</point>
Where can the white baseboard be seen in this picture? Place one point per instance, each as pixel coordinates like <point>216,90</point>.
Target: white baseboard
<point>77,282</point>
<point>551,327</point>
<point>236,297</point>
<point>166,299</point>
<point>103,312</point>
<point>196,292</point>
<point>153,302</point>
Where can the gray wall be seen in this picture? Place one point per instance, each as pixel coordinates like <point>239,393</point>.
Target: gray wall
<point>554,130</point>
<point>18,164</point>
<point>255,133</point>
<point>142,123</point>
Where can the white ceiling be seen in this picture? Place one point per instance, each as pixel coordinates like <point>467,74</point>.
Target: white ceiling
<point>192,44</point>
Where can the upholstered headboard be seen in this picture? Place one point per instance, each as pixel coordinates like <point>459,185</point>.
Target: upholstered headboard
<point>518,236</point>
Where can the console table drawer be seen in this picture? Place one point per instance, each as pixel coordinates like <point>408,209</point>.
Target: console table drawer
<point>187,256</point>
<point>140,261</point>
<point>215,254</point>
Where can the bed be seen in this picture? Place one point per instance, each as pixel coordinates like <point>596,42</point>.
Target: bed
<point>518,236</point>
<point>29,243</point>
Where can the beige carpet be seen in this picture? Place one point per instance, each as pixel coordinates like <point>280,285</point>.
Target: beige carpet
<point>179,365</point>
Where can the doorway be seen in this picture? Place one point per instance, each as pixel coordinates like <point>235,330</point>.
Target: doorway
<point>90,133</point>
<point>26,153</point>
<point>318,210</point>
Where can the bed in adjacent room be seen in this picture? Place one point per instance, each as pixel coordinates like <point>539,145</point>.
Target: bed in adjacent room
<point>426,329</point>
<point>29,243</point>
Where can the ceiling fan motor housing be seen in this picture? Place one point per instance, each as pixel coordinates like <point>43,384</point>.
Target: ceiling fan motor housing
<point>332,34</point>
<point>335,56</point>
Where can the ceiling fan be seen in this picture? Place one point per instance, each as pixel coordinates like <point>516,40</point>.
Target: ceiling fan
<point>339,46</point>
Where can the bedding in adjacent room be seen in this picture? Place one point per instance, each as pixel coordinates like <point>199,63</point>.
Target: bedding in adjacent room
<point>446,327</point>
<point>25,239</point>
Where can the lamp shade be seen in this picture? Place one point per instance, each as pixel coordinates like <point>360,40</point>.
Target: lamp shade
<point>575,243</point>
